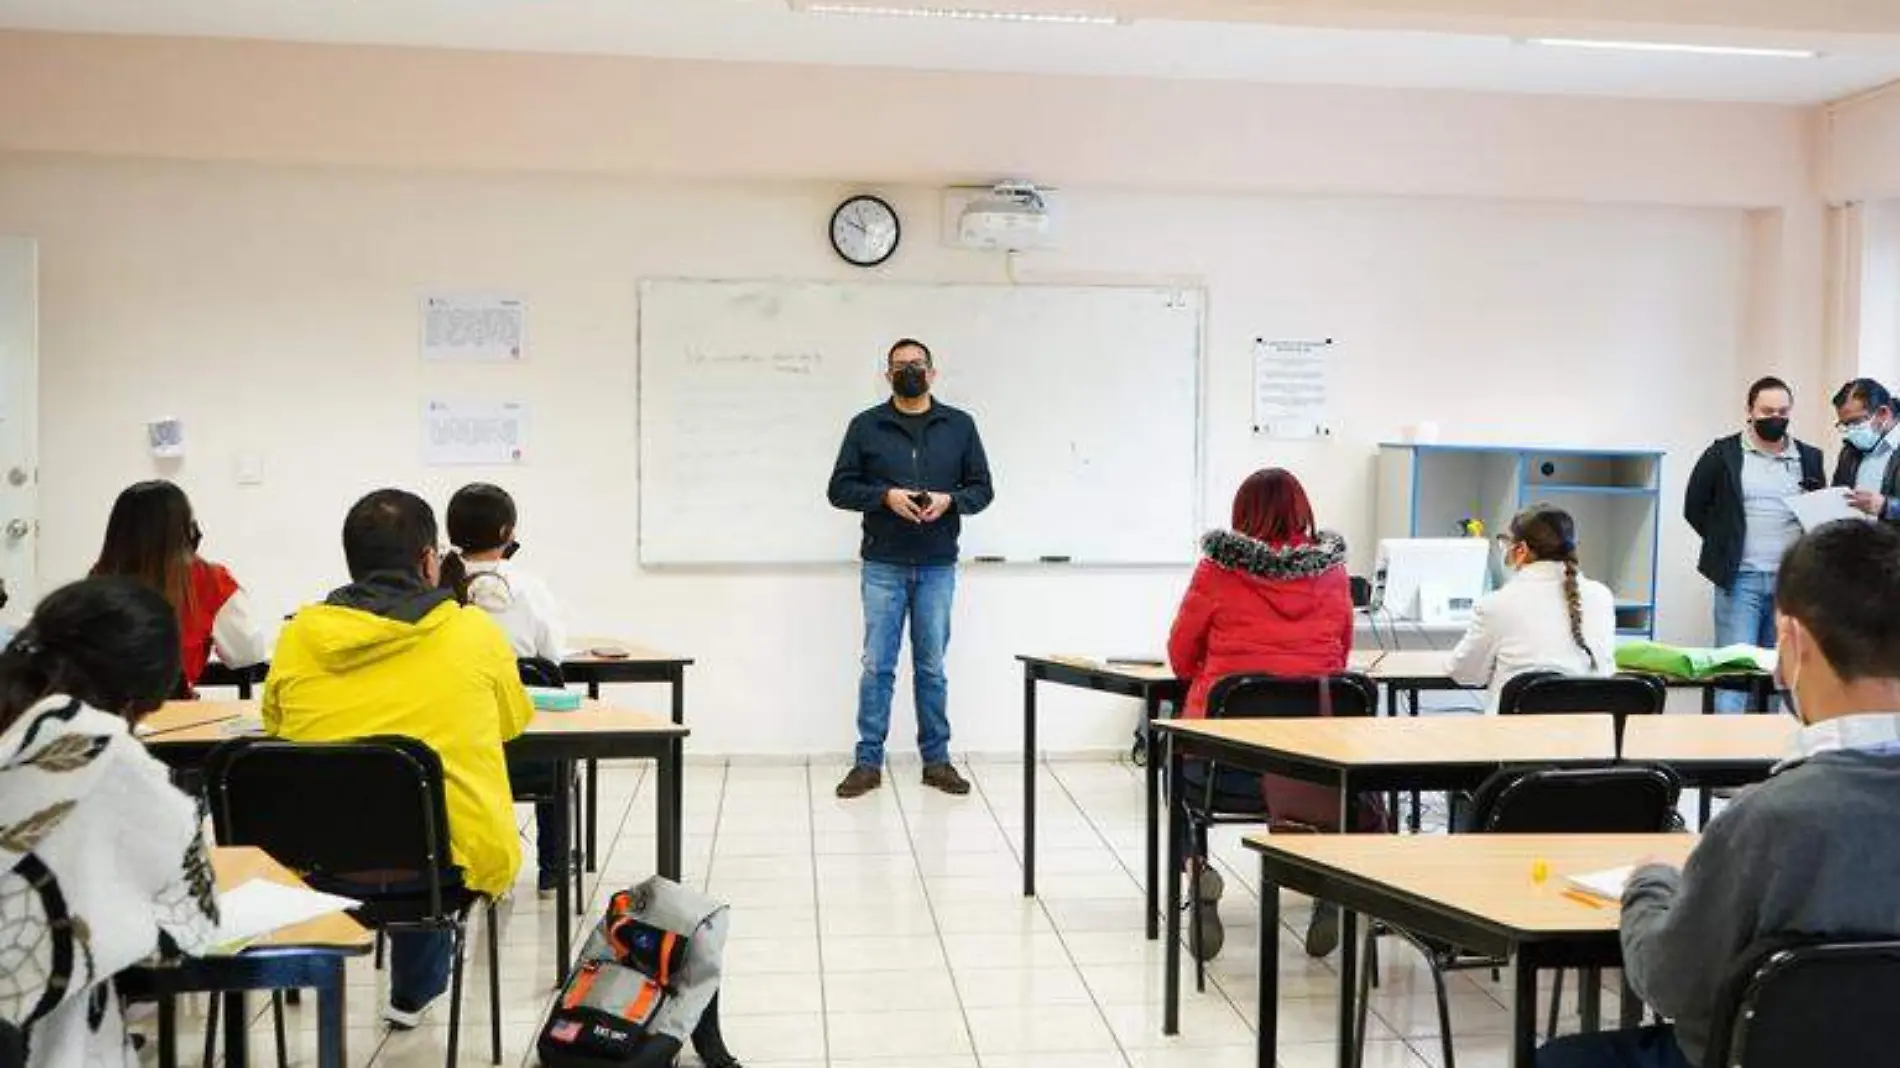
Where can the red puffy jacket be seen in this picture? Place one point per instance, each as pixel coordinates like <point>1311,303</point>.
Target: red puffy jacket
<point>1255,608</point>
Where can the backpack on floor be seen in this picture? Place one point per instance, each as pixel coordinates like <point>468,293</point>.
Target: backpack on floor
<point>645,983</point>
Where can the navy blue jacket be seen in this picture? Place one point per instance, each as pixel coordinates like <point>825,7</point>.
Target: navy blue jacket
<point>880,454</point>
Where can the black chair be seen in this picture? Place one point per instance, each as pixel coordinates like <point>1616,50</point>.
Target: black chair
<point>12,1042</point>
<point>1548,692</point>
<point>364,818</point>
<point>1799,1001</point>
<point>1614,799</point>
<point>533,781</point>
<point>1210,795</point>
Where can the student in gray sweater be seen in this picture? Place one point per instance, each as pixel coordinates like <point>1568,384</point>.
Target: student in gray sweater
<point>1815,850</point>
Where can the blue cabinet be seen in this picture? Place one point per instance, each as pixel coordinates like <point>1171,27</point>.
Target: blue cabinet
<point>1426,491</point>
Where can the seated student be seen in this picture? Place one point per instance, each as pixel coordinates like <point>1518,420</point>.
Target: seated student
<point>152,537</point>
<point>481,572</point>
<point>392,653</point>
<point>104,860</point>
<point>1815,850</point>
<point>1548,617</point>
<point>1270,597</point>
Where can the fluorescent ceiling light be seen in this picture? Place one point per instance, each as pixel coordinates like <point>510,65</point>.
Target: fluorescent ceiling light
<point>1664,46</point>
<point>962,14</point>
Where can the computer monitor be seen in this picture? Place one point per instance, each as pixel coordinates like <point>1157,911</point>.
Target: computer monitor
<point>1431,580</point>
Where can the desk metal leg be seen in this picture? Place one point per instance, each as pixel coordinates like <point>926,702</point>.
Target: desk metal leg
<point>1590,998</point>
<point>1267,1007</point>
<point>332,1034</point>
<point>1029,782</point>
<point>167,1031</point>
<point>1171,955</point>
<point>236,1030</point>
<point>592,813</point>
<point>671,812</point>
<point>1348,941</point>
<point>563,892</point>
<point>1630,1011</point>
<point>1412,705</point>
<point>1523,1011</point>
<point>1152,877</point>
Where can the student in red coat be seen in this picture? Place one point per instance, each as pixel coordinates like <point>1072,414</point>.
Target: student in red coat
<point>152,537</point>
<point>1270,597</point>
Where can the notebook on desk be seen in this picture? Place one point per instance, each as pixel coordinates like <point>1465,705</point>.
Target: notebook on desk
<point>1607,884</point>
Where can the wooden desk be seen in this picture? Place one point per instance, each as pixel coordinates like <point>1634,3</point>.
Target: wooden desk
<point>592,732</point>
<point>1711,751</point>
<point>185,715</point>
<point>640,665</point>
<point>1365,755</point>
<point>308,954</point>
<point>1474,891</point>
<point>1149,684</point>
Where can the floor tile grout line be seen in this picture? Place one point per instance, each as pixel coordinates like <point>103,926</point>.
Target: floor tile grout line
<point>1095,1002</point>
<point>818,913</point>
<point>712,846</point>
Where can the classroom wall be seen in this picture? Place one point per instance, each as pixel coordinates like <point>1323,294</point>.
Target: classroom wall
<point>1860,153</point>
<point>272,308</point>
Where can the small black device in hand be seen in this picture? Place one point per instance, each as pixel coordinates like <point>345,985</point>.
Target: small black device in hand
<point>921,500</point>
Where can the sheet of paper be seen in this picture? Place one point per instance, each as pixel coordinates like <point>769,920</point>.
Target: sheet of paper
<point>479,432</point>
<point>474,327</point>
<point>1292,388</point>
<point>258,907</point>
<point>1823,506</point>
<point>1604,884</point>
<point>1764,659</point>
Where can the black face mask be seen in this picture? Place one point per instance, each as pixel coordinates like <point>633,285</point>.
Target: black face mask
<point>195,537</point>
<point>509,550</point>
<point>910,381</point>
<point>1772,430</point>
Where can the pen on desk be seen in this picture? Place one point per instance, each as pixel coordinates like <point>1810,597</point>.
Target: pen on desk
<point>1584,899</point>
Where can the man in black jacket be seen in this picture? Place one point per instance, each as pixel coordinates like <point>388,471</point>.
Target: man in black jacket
<point>1871,434</point>
<point>915,467</point>
<point>1737,502</point>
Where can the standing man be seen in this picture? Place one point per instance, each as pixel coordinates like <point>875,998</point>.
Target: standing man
<point>1872,440</point>
<point>1738,503</point>
<point>915,467</point>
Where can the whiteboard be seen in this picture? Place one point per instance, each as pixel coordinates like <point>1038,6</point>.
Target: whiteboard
<point>1087,399</point>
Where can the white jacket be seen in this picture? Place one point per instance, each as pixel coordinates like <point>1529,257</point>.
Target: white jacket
<point>521,604</point>
<point>100,856</point>
<point>1526,627</point>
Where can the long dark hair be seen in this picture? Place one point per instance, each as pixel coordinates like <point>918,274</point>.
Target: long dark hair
<point>1549,533</point>
<point>481,519</point>
<point>110,642</point>
<point>152,537</point>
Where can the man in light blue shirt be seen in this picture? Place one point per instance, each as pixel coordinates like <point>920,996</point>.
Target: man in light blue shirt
<point>1870,436</point>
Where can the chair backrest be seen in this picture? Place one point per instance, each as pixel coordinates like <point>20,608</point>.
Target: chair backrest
<point>540,671</point>
<point>1280,697</point>
<point>1799,1001</point>
<point>1613,799</point>
<point>330,810</point>
<point>12,1042</point>
<point>1547,692</point>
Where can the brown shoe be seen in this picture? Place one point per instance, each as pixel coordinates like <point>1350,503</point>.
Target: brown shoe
<point>859,781</point>
<point>944,777</point>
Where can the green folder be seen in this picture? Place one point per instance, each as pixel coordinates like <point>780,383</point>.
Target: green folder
<point>1677,662</point>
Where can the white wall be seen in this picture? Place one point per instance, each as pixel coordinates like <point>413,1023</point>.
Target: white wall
<point>273,309</point>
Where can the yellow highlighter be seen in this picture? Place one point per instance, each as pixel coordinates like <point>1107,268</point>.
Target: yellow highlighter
<point>1540,872</point>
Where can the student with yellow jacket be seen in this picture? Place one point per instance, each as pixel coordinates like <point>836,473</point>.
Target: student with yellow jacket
<point>390,653</point>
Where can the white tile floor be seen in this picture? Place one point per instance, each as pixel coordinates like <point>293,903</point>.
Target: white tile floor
<point>890,931</point>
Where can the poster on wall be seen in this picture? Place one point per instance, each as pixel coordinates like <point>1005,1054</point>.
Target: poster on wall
<point>474,432</point>
<point>474,327</point>
<point>1292,388</point>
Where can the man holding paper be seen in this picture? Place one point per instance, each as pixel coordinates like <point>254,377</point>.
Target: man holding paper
<point>1740,501</point>
<point>1870,443</point>
<point>1813,851</point>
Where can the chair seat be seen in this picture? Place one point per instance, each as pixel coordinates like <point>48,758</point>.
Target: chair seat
<point>1236,793</point>
<point>396,904</point>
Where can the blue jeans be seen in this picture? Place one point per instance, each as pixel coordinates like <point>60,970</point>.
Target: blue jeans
<point>1648,1047</point>
<point>1744,615</point>
<point>893,594</point>
<point>419,964</point>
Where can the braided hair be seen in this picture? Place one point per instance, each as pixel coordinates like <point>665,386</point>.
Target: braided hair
<point>1549,534</point>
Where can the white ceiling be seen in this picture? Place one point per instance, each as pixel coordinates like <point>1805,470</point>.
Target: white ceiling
<point>768,30</point>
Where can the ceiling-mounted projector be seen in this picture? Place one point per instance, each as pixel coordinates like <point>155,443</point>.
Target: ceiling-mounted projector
<point>1011,216</point>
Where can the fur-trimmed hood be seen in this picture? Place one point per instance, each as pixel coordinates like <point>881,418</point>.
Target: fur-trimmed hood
<point>1238,552</point>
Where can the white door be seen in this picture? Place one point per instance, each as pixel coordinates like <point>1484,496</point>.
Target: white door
<point>19,426</point>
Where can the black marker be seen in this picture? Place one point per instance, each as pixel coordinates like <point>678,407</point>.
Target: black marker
<point>1055,559</point>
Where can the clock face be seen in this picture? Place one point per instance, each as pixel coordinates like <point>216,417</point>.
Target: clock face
<point>865,231</point>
